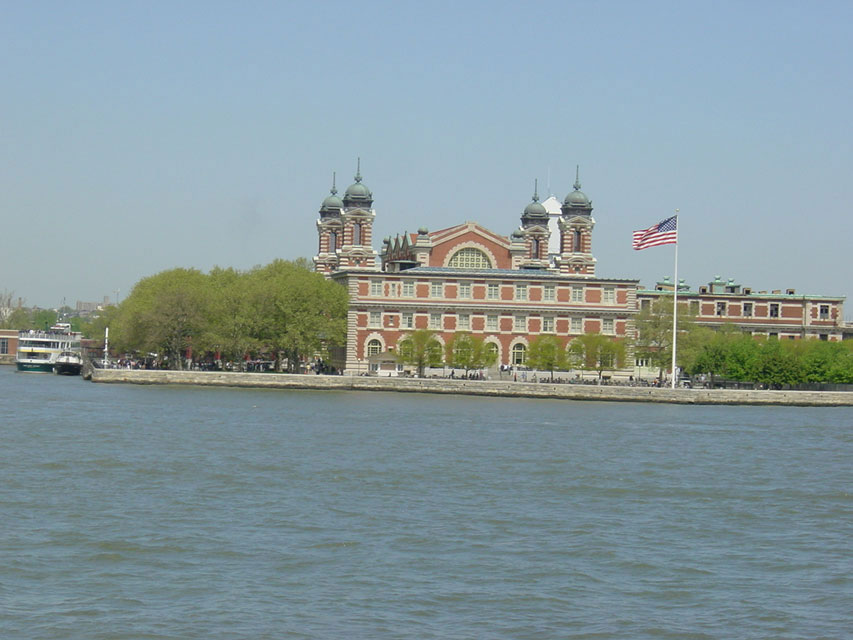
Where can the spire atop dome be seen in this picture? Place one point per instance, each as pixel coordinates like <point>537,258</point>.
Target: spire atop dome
<point>357,194</point>
<point>535,212</point>
<point>577,201</point>
<point>332,205</point>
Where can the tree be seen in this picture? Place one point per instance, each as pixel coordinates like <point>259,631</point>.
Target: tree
<point>233,315</point>
<point>420,349</point>
<point>776,364</point>
<point>162,314</point>
<point>709,351</point>
<point>547,353</point>
<point>465,351</point>
<point>302,313</point>
<point>595,352</point>
<point>654,333</point>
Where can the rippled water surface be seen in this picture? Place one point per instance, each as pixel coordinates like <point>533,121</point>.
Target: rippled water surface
<point>179,512</point>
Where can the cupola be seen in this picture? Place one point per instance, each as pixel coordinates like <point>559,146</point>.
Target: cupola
<point>332,205</point>
<point>357,194</point>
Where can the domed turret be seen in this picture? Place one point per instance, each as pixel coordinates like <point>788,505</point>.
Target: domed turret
<point>332,205</point>
<point>576,201</point>
<point>535,212</point>
<point>357,194</point>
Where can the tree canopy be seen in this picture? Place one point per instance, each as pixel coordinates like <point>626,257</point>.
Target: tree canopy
<point>466,351</point>
<point>283,310</point>
<point>547,353</point>
<point>420,349</point>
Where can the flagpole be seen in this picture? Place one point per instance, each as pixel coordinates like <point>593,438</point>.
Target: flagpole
<point>675,305</point>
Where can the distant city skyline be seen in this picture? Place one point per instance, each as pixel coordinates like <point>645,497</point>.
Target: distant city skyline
<point>139,137</point>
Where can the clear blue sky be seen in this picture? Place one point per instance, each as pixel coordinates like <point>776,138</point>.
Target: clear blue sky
<point>137,137</point>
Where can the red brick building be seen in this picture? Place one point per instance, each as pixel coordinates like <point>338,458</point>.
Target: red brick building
<point>505,289</point>
<point>781,314</point>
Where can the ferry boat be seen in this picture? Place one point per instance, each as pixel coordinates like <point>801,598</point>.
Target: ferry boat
<point>39,350</point>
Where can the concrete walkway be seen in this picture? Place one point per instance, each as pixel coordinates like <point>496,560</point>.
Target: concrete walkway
<point>475,387</point>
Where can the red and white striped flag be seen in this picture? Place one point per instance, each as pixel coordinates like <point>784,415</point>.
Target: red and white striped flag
<point>664,232</point>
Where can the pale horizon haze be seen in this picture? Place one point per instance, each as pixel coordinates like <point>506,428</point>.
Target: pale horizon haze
<point>138,137</point>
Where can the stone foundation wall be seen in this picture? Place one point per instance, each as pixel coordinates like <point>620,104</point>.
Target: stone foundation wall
<point>475,387</point>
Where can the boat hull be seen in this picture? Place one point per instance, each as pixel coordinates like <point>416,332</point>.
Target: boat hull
<point>35,367</point>
<point>67,369</point>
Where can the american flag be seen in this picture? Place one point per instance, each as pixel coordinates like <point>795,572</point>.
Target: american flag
<point>664,232</point>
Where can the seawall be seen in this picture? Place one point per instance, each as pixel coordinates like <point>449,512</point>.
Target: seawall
<point>474,387</point>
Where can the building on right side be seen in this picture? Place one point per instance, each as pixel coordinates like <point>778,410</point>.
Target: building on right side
<point>779,314</point>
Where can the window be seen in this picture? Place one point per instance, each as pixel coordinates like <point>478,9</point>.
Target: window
<point>492,349</point>
<point>576,325</point>
<point>464,323</point>
<point>824,312</point>
<point>470,258</point>
<point>356,233</point>
<point>435,321</point>
<point>374,347</point>
<point>493,292</point>
<point>408,321</point>
<point>376,287</point>
<point>721,309</point>
<point>607,325</point>
<point>521,291</point>
<point>609,295</point>
<point>645,304</point>
<point>333,241</point>
<point>547,325</point>
<point>519,323</point>
<point>747,309</point>
<point>774,309</point>
<point>4,346</point>
<point>824,336</point>
<point>694,307</point>
<point>465,290</point>
<point>577,293</point>
<point>549,293</point>
<point>436,290</point>
<point>519,354</point>
<point>408,289</point>
<point>641,362</point>
<point>375,319</point>
<point>491,323</point>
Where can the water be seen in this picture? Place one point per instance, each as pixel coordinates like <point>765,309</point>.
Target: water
<point>179,512</point>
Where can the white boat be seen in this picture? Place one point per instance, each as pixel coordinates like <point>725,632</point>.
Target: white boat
<point>68,363</point>
<point>39,350</point>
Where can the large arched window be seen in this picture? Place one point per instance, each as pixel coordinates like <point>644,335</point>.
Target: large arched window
<point>470,258</point>
<point>492,349</point>
<point>519,353</point>
<point>374,347</point>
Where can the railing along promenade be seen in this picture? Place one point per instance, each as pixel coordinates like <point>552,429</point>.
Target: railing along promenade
<point>494,388</point>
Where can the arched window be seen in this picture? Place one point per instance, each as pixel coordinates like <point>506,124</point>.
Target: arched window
<point>577,247</point>
<point>356,233</point>
<point>519,353</point>
<point>333,241</point>
<point>470,258</point>
<point>492,350</point>
<point>374,347</point>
